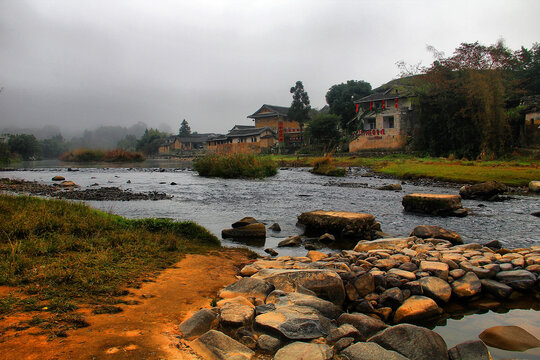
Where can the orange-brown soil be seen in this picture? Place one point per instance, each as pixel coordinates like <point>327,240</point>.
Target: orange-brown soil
<point>147,330</point>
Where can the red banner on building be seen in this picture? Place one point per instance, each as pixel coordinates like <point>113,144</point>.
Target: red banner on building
<point>383,105</point>
<point>280,132</point>
<point>396,101</point>
<point>356,107</point>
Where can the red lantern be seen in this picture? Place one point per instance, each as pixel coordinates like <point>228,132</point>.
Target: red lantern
<point>383,105</point>
<point>356,107</point>
<point>396,103</point>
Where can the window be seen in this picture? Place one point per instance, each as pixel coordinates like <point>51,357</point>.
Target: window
<point>388,122</point>
<point>369,123</point>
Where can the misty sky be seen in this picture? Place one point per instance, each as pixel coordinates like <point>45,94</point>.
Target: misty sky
<point>84,63</point>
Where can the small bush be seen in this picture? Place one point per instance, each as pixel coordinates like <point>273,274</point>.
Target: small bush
<point>326,167</point>
<point>87,155</point>
<point>235,166</point>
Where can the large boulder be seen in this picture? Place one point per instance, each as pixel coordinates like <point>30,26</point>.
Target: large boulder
<point>413,342</point>
<point>483,191</point>
<point>215,345</point>
<point>370,351</point>
<point>198,323</point>
<point>436,288</point>
<point>304,351</point>
<point>248,288</point>
<point>294,322</point>
<point>397,244</point>
<point>256,230</point>
<point>326,284</point>
<point>522,280</point>
<point>511,338</point>
<point>416,307</point>
<point>437,232</point>
<point>434,204</point>
<point>340,223</point>
<point>366,325</point>
<point>470,350</point>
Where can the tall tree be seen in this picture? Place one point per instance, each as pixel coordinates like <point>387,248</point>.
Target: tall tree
<point>185,130</point>
<point>299,110</point>
<point>25,145</point>
<point>340,98</point>
<point>150,141</point>
<point>324,129</point>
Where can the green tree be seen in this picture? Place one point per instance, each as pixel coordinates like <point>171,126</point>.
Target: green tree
<point>4,152</point>
<point>53,147</point>
<point>324,129</point>
<point>24,145</point>
<point>340,98</point>
<point>184,130</point>
<point>150,141</point>
<point>299,110</point>
<point>128,143</point>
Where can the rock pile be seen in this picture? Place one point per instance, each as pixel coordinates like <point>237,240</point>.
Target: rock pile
<point>355,304</point>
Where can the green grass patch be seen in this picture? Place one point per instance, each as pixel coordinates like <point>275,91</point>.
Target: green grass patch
<point>238,166</point>
<point>59,255</point>
<point>88,155</point>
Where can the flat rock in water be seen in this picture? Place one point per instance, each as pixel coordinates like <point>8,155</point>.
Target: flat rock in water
<point>68,184</point>
<point>370,351</point>
<point>433,204</point>
<point>304,351</point>
<point>58,178</point>
<point>483,191</point>
<point>437,232</point>
<point>245,221</point>
<point>290,242</point>
<point>496,288</point>
<point>518,279</point>
<point>247,287</point>
<point>217,346</point>
<point>534,186</point>
<point>413,342</point>
<point>470,350</point>
<point>256,230</point>
<point>416,307</point>
<point>349,224</point>
<point>511,338</point>
<point>326,284</point>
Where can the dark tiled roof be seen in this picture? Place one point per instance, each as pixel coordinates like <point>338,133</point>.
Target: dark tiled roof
<point>248,132</point>
<point>242,127</point>
<point>274,110</point>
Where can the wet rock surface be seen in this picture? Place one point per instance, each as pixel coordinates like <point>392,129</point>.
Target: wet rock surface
<point>434,204</point>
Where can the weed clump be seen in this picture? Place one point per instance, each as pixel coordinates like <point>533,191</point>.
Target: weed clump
<point>116,155</point>
<point>325,166</point>
<point>235,166</point>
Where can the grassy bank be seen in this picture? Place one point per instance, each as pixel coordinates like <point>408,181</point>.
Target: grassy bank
<point>325,166</point>
<point>116,155</point>
<point>235,166</point>
<point>56,255</point>
<point>513,172</point>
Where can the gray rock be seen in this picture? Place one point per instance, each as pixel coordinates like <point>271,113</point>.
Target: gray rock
<point>437,232</point>
<point>467,285</point>
<point>364,284</point>
<point>392,298</point>
<point>325,307</point>
<point>304,351</point>
<point>414,287</point>
<point>295,322</point>
<point>236,313</point>
<point>351,224</point>
<point>198,323</point>
<point>483,191</point>
<point>496,288</point>
<point>433,204</point>
<point>256,230</point>
<point>326,284</point>
<point>394,187</point>
<point>247,287</point>
<point>370,351</point>
<point>268,343</point>
<point>345,330</point>
<point>436,288</point>
<point>342,344</point>
<point>413,342</point>
<point>218,346</point>
<point>408,275</point>
<point>469,350</point>
<point>521,280</point>
<point>275,227</point>
<point>271,252</point>
<point>366,325</point>
<point>245,221</point>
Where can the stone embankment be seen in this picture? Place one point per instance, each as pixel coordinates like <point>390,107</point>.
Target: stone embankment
<point>358,304</point>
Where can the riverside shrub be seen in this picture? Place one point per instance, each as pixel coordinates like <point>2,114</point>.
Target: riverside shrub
<point>116,155</point>
<point>235,166</point>
<point>326,167</point>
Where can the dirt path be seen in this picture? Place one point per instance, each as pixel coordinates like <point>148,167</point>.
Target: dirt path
<point>144,331</point>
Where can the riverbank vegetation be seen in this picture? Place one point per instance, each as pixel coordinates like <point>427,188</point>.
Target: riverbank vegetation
<point>325,166</point>
<point>514,171</point>
<point>87,155</point>
<point>235,166</point>
<point>56,255</point>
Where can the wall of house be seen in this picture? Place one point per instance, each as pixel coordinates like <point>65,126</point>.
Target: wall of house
<point>272,123</point>
<point>240,148</point>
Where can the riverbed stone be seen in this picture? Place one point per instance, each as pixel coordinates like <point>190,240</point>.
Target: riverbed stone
<point>247,287</point>
<point>469,350</point>
<point>291,241</point>
<point>217,346</point>
<point>326,308</point>
<point>341,223</point>
<point>67,184</point>
<point>58,178</point>
<point>436,288</point>
<point>326,284</point>
<point>433,204</point>
<point>390,244</point>
<point>275,227</point>
<point>521,280</point>
<point>248,220</point>
<point>294,322</point>
<point>483,191</point>
<point>367,326</point>
<point>438,269</point>
<point>511,338</point>
<point>408,275</point>
<point>197,324</point>
<point>345,330</point>
<point>386,264</point>
<point>432,231</point>
<point>256,230</point>
<point>392,298</point>
<point>304,351</point>
<point>416,307</point>
<point>327,238</point>
<point>370,351</point>
<point>268,343</point>
<point>316,255</point>
<point>391,187</point>
<point>466,286</point>
<point>236,311</point>
<point>534,186</point>
<point>413,342</point>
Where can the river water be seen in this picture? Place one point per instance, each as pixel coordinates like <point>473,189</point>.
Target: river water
<point>217,203</point>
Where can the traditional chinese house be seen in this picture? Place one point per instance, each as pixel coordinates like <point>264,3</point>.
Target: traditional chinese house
<point>385,121</point>
<point>243,139</point>
<point>175,144</point>
<point>277,119</point>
